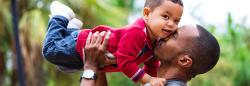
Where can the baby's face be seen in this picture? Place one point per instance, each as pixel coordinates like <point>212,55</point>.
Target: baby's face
<point>163,19</point>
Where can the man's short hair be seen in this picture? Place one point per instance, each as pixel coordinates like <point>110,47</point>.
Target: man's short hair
<point>154,3</point>
<point>204,51</point>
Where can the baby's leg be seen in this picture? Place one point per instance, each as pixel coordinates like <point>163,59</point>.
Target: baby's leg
<point>59,44</point>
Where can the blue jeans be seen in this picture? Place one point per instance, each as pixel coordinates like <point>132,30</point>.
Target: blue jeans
<point>59,46</point>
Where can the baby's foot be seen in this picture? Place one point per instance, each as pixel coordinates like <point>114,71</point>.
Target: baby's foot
<point>75,23</point>
<point>57,8</point>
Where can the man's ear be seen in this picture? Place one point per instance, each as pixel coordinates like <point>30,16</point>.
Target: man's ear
<point>146,12</point>
<point>185,61</point>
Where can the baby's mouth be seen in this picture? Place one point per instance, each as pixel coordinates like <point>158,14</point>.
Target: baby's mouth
<point>166,32</point>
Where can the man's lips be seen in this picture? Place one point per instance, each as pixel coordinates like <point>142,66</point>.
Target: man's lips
<point>160,41</point>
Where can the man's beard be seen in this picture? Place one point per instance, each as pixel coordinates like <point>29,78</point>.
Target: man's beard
<point>166,61</point>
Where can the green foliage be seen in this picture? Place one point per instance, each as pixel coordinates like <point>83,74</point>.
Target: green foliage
<point>120,79</point>
<point>97,12</point>
<point>5,27</point>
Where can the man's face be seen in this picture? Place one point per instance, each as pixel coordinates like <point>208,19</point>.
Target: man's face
<point>175,45</point>
<point>164,19</point>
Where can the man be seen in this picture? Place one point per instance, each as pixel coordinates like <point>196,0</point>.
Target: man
<point>192,50</point>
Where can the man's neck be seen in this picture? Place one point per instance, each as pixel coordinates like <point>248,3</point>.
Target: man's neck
<point>169,72</point>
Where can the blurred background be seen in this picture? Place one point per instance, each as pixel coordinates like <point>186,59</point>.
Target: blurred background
<point>227,20</point>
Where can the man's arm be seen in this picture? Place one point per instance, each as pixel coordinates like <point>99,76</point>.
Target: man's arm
<point>94,56</point>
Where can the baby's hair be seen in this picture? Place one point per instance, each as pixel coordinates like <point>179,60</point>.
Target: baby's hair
<point>154,3</point>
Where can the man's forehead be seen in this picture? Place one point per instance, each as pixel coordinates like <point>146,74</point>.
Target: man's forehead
<point>189,30</point>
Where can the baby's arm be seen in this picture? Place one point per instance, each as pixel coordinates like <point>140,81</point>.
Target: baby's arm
<point>129,47</point>
<point>150,67</point>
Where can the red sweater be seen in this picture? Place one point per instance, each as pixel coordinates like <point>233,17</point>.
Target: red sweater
<point>130,45</point>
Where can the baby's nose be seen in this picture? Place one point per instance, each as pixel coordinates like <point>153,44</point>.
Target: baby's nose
<point>170,24</point>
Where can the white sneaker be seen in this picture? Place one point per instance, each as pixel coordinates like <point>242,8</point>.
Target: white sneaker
<point>75,23</point>
<point>57,8</point>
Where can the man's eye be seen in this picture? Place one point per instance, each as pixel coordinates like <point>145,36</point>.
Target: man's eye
<point>174,35</point>
<point>165,39</point>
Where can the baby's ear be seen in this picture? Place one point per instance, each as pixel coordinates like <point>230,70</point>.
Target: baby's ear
<point>185,61</point>
<point>146,12</point>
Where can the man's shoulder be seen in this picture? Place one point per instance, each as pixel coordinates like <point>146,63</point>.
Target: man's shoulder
<point>176,83</point>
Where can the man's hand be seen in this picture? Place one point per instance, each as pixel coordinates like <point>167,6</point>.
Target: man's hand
<point>95,50</point>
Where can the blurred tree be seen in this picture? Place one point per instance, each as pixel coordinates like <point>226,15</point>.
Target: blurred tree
<point>33,18</point>
<point>5,40</point>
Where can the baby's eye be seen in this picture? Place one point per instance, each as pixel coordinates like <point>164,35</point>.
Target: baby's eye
<point>176,21</point>
<point>165,17</point>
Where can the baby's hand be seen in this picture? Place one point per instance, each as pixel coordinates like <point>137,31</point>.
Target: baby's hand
<point>154,81</point>
<point>57,8</point>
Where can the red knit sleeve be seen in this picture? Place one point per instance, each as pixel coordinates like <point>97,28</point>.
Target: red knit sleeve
<point>150,66</point>
<point>82,37</point>
<point>129,46</point>
<point>81,40</point>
